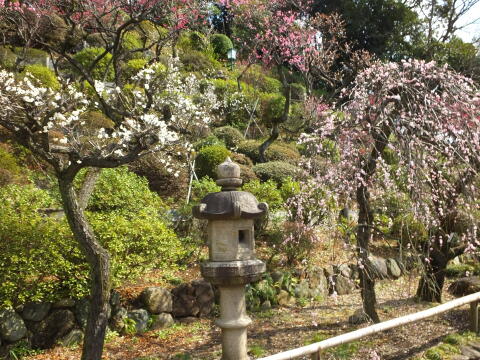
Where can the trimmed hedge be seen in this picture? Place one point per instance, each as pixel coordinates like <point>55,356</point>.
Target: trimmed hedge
<point>208,158</point>
<point>221,44</point>
<point>43,76</point>
<point>194,60</point>
<point>278,171</point>
<point>278,151</point>
<point>103,69</point>
<point>231,136</point>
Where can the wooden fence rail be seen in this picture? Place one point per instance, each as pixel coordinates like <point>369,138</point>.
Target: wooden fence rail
<point>315,350</point>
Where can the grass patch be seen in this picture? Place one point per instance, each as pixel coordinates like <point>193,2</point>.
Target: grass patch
<point>340,352</point>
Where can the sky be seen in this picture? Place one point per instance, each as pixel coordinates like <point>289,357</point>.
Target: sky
<point>471,31</point>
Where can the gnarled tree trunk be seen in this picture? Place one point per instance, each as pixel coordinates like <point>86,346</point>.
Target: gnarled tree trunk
<point>99,261</point>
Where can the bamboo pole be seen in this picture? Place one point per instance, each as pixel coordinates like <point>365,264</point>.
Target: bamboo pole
<point>474,316</point>
<point>373,329</point>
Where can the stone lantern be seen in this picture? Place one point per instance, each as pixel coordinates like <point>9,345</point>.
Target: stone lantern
<point>232,263</point>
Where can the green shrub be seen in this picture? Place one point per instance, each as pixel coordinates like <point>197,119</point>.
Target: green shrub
<point>96,40</point>
<point>276,152</point>
<point>42,76</point>
<point>193,40</point>
<point>257,78</point>
<point>137,242</point>
<point>247,174</point>
<point>133,66</point>
<point>409,230</point>
<point>459,270</point>
<point>221,44</point>
<point>229,135</point>
<point>132,41</point>
<point>271,107</point>
<point>202,187</point>
<point>7,58</point>
<point>298,92</point>
<point>31,55</point>
<point>10,171</point>
<point>39,261</point>
<point>208,158</point>
<point>265,192</point>
<point>122,190</point>
<point>103,69</point>
<point>278,171</point>
<point>194,60</point>
<point>208,141</point>
<point>289,188</point>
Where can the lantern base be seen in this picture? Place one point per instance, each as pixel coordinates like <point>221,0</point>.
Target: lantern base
<point>239,272</point>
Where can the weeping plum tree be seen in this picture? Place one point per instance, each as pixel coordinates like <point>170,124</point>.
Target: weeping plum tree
<point>148,116</point>
<point>429,117</point>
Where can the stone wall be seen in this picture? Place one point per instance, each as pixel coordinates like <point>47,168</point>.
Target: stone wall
<point>44,325</point>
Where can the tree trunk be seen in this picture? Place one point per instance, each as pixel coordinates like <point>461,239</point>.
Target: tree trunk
<point>88,186</point>
<point>432,280</point>
<point>266,144</point>
<point>367,281</point>
<point>99,262</point>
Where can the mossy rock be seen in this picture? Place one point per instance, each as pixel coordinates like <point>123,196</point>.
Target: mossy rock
<point>277,171</point>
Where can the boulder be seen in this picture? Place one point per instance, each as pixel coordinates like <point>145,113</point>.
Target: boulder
<point>378,267</point>
<point>57,325</point>
<point>81,309</point>
<point>302,290</point>
<point>285,299</point>
<point>358,317</point>
<point>193,299</point>
<point>329,271</point>
<point>345,270</point>
<point>277,276</point>
<point>161,321</point>
<point>74,337</point>
<point>343,285</point>
<point>465,286</point>
<point>266,305</point>
<point>63,304</point>
<point>34,311</point>
<point>140,317</point>
<point>157,300</point>
<point>117,321</point>
<point>393,269</point>
<point>318,282</point>
<point>115,299</point>
<point>12,326</point>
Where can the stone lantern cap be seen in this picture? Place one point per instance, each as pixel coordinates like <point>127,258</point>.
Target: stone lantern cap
<point>229,203</point>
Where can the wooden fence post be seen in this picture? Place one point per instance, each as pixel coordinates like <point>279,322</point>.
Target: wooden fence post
<point>474,316</point>
<point>316,356</point>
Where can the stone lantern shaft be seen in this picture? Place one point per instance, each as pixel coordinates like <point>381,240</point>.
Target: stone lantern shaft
<point>232,263</point>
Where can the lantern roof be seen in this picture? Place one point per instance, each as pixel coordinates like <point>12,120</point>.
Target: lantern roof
<point>229,203</point>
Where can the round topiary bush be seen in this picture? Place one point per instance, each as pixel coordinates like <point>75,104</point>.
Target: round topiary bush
<point>103,70</point>
<point>231,136</point>
<point>208,158</point>
<point>133,66</point>
<point>298,92</point>
<point>271,107</point>
<point>42,75</point>
<point>278,151</point>
<point>194,60</point>
<point>221,44</point>
<point>278,171</point>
